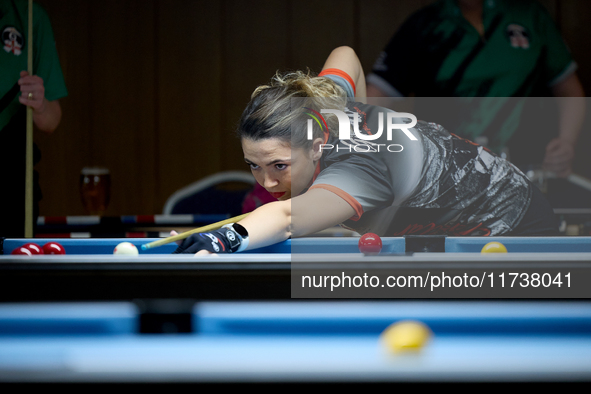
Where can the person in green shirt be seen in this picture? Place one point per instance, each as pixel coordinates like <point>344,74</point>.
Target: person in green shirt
<point>18,89</point>
<point>503,50</point>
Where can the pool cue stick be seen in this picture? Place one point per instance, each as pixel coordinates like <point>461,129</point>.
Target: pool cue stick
<point>580,181</point>
<point>209,227</point>
<point>29,146</point>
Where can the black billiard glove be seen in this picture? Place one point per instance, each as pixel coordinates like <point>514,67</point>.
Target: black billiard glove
<point>229,239</point>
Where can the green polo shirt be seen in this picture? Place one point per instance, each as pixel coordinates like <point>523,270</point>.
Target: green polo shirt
<point>438,53</point>
<point>13,56</point>
<point>13,60</point>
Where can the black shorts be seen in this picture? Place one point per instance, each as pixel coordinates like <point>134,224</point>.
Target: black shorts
<point>539,219</point>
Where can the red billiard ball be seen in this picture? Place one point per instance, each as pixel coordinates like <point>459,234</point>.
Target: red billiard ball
<point>370,243</point>
<point>53,248</point>
<point>22,251</point>
<point>33,247</point>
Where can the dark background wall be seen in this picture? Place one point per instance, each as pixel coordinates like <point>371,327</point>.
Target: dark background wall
<point>156,87</point>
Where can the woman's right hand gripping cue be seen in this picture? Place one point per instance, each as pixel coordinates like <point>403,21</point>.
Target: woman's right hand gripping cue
<point>228,239</point>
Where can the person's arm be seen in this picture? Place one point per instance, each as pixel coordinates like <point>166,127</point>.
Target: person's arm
<point>46,114</point>
<point>560,151</point>
<point>345,59</point>
<point>315,210</point>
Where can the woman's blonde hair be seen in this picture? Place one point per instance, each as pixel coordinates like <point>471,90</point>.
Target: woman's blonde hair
<point>281,108</point>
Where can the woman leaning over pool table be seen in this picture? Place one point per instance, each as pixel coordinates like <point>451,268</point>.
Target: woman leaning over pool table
<point>436,184</point>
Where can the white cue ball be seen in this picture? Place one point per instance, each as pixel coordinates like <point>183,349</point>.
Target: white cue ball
<point>126,248</point>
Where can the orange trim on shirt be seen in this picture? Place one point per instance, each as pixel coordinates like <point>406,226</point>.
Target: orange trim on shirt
<point>340,73</point>
<point>317,170</point>
<point>345,196</point>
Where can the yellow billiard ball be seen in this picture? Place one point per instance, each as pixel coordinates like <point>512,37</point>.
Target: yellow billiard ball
<point>406,335</point>
<point>494,247</point>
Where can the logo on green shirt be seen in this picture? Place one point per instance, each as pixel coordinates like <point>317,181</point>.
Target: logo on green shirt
<point>518,36</point>
<point>13,40</point>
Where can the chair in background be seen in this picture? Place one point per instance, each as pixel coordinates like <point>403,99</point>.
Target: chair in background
<point>221,193</point>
